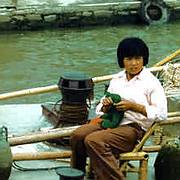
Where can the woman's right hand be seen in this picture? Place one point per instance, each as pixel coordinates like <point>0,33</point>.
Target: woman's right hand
<point>107,103</point>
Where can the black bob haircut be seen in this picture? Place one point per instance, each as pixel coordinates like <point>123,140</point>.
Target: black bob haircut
<point>130,47</point>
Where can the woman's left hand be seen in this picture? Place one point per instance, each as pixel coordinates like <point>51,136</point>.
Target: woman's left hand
<point>123,105</point>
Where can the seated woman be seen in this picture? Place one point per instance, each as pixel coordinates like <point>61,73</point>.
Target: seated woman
<point>143,101</point>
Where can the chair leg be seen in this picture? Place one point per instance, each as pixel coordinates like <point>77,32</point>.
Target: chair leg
<point>143,169</point>
<point>90,173</point>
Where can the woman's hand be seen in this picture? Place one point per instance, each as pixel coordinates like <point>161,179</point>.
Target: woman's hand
<point>107,103</point>
<point>125,105</point>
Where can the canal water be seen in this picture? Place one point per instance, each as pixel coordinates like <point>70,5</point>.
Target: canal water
<point>39,58</point>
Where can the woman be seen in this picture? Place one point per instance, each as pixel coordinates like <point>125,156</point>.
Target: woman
<point>142,100</point>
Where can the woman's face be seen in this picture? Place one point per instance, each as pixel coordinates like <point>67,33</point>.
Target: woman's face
<point>133,65</point>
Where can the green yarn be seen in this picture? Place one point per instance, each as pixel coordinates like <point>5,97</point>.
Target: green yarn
<point>112,118</point>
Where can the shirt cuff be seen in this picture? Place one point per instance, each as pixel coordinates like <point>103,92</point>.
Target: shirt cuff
<point>155,114</point>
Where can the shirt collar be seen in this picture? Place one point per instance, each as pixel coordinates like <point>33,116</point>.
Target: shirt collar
<point>122,74</point>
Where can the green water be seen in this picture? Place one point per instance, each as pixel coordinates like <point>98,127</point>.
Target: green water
<point>39,58</point>
<point>34,59</point>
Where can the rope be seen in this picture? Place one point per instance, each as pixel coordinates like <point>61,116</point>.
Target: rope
<point>71,114</point>
<point>20,168</point>
<point>170,77</point>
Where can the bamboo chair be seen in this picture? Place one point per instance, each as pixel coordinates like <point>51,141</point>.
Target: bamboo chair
<point>135,155</point>
<point>138,155</point>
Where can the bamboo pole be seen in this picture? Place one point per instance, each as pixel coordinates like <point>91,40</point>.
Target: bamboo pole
<point>170,121</point>
<point>40,155</point>
<point>67,154</point>
<point>174,114</point>
<point>145,137</point>
<point>151,149</point>
<point>168,58</point>
<point>31,91</point>
<point>41,136</point>
<point>109,77</point>
<point>67,131</point>
<point>149,132</point>
<point>133,156</point>
<point>53,88</point>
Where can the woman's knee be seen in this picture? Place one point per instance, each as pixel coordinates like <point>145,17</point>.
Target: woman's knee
<point>93,140</point>
<point>77,135</point>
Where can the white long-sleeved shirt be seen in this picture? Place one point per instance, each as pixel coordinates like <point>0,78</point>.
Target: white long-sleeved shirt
<point>144,89</point>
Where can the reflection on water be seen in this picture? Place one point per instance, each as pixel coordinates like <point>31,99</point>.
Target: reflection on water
<point>33,59</point>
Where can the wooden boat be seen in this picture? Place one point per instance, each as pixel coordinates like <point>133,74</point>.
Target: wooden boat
<point>35,14</point>
<point>29,149</point>
<point>30,152</point>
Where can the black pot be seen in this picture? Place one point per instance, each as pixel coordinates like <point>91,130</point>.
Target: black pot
<point>68,173</point>
<point>75,87</point>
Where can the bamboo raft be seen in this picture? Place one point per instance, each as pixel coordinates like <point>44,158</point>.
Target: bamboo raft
<point>26,15</point>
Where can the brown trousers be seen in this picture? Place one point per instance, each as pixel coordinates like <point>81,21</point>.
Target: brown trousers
<point>101,146</point>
